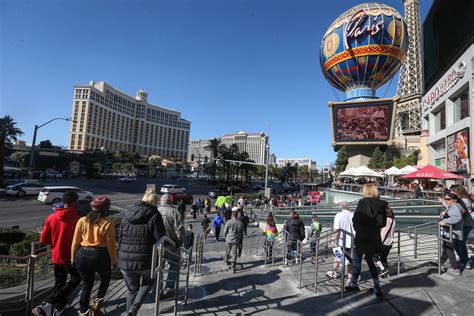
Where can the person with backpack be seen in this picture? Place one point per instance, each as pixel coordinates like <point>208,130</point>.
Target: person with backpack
<point>369,217</point>
<point>314,235</point>
<point>141,227</point>
<point>387,234</point>
<point>465,203</point>
<point>296,232</point>
<point>217,225</point>
<point>58,231</point>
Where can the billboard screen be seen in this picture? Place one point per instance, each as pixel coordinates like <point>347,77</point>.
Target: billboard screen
<point>458,151</point>
<point>363,122</point>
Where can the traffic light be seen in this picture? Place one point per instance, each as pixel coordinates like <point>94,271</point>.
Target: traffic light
<point>205,159</point>
<point>192,157</point>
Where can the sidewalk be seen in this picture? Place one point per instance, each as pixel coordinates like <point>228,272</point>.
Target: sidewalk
<point>256,290</point>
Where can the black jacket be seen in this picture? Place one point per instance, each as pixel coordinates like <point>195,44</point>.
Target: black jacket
<point>369,217</point>
<point>295,229</point>
<point>140,228</point>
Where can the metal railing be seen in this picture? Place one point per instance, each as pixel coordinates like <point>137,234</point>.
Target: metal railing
<point>199,254</point>
<point>28,279</point>
<point>166,258</point>
<point>275,249</point>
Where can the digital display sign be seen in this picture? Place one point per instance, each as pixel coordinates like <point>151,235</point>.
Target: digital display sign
<point>458,151</point>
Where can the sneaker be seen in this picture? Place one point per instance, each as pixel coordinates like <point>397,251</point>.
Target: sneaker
<point>351,288</point>
<point>468,265</point>
<point>297,260</point>
<point>286,262</point>
<point>443,269</point>
<point>383,272</point>
<point>167,295</point>
<point>454,271</point>
<point>331,274</point>
<point>43,309</point>
<point>378,294</point>
<point>59,312</point>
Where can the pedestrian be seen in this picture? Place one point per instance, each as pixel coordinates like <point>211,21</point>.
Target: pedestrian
<point>226,211</point>
<point>296,232</point>
<point>417,192</point>
<point>199,205</point>
<point>386,234</point>
<point>207,205</point>
<point>233,234</point>
<point>194,210</point>
<point>369,217</point>
<point>58,231</point>
<point>241,202</point>
<point>205,224</point>
<point>174,226</point>
<point>245,221</point>
<point>141,227</point>
<point>218,220</point>
<point>182,209</point>
<point>270,234</point>
<point>314,235</point>
<point>189,239</point>
<point>465,204</point>
<point>451,216</point>
<point>342,225</point>
<point>93,251</point>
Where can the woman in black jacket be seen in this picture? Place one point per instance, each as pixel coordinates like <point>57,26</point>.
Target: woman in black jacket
<point>295,229</point>
<point>141,227</point>
<point>369,217</point>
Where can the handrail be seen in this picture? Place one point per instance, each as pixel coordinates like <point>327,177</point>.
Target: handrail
<point>154,258</point>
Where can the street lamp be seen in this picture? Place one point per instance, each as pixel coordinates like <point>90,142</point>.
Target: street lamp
<point>32,155</point>
<point>266,170</point>
<point>104,150</point>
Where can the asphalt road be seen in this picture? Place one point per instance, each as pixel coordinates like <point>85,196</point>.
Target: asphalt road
<point>30,214</point>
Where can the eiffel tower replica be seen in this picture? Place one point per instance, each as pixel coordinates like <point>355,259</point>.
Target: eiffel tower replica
<point>410,84</point>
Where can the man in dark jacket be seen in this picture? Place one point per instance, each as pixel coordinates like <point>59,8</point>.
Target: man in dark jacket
<point>369,217</point>
<point>295,229</point>
<point>58,231</point>
<point>141,227</point>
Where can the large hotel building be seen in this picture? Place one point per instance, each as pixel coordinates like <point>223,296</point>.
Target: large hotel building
<point>106,117</point>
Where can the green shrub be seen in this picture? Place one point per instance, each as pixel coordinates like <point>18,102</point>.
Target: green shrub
<point>12,277</point>
<point>11,236</point>
<point>32,237</point>
<point>4,248</point>
<point>20,249</point>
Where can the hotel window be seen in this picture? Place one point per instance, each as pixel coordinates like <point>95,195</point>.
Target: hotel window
<point>440,119</point>
<point>461,106</point>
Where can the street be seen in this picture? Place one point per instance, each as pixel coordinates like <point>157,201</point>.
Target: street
<point>30,214</point>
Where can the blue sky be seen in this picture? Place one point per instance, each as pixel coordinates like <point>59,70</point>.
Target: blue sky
<point>225,65</point>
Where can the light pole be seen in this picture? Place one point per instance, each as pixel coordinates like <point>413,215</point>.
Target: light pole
<point>267,147</point>
<point>32,155</point>
<point>104,150</point>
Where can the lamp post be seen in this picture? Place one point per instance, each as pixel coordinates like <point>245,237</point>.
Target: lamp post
<point>32,155</point>
<point>267,147</point>
<point>104,150</point>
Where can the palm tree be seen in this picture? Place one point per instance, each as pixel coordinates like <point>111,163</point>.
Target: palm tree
<point>8,134</point>
<point>213,146</point>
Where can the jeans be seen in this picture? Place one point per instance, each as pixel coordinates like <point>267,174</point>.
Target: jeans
<point>358,254</point>
<point>137,292</point>
<point>90,260</point>
<point>63,288</point>
<point>448,252</point>
<point>172,259</point>
<point>217,230</point>
<point>292,250</point>
<point>231,252</point>
<point>268,249</point>
<point>461,247</point>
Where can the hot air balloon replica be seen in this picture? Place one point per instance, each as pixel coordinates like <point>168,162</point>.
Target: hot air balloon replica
<point>362,50</point>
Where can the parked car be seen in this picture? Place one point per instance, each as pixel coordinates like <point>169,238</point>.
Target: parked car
<point>172,188</point>
<point>83,207</point>
<point>214,194</point>
<point>177,197</point>
<point>257,187</point>
<point>54,174</point>
<point>49,195</point>
<point>24,189</point>
<point>128,179</point>
<point>234,189</point>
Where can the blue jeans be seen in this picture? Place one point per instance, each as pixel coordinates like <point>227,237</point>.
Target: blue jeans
<point>139,283</point>
<point>358,265</point>
<point>90,261</point>
<point>461,247</point>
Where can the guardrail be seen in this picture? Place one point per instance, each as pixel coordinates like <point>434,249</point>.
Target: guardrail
<point>33,281</point>
<point>165,251</point>
<point>199,254</point>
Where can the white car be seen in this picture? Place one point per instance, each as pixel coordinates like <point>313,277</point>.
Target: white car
<point>128,179</point>
<point>51,195</point>
<point>172,188</point>
<point>24,189</point>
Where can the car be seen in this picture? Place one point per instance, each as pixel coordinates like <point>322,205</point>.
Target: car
<point>257,187</point>
<point>128,179</point>
<point>54,174</point>
<point>26,188</point>
<point>51,195</point>
<point>83,207</point>
<point>234,189</point>
<point>214,194</point>
<point>172,188</point>
<point>177,197</point>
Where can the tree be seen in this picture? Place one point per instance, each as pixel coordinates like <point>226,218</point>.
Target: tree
<point>45,144</point>
<point>213,146</point>
<point>342,159</point>
<point>378,159</point>
<point>404,161</point>
<point>19,158</point>
<point>8,134</point>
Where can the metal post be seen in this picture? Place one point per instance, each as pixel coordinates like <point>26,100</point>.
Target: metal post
<point>416,243</point>
<point>316,269</point>
<point>398,253</point>
<point>285,248</point>
<point>190,255</point>
<point>299,253</point>
<point>32,154</point>
<point>159,279</point>
<point>343,263</point>
<point>30,284</point>
<point>176,294</point>
<point>439,250</point>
